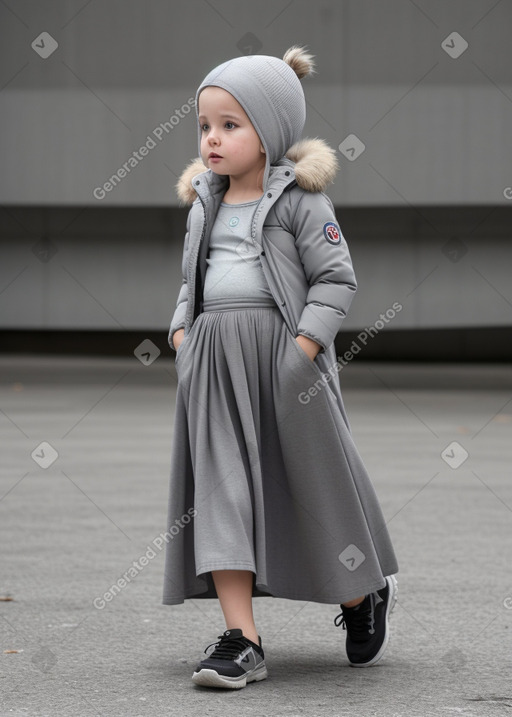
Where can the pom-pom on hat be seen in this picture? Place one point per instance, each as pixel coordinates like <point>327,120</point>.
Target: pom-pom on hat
<point>270,92</point>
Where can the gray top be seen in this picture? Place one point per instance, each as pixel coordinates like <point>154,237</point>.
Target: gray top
<point>234,268</point>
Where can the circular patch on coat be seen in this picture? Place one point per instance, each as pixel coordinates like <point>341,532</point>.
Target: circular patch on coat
<point>332,233</point>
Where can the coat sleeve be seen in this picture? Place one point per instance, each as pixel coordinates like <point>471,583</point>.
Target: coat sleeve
<point>178,319</point>
<point>327,265</point>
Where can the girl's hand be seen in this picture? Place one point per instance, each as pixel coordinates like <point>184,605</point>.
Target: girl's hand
<point>178,337</point>
<point>310,347</point>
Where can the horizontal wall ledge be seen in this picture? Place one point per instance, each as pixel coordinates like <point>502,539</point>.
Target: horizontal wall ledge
<point>484,344</point>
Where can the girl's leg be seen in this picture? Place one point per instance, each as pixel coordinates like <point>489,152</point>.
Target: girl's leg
<point>234,590</point>
<point>353,603</point>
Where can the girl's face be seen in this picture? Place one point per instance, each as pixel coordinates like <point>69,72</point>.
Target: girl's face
<point>227,131</point>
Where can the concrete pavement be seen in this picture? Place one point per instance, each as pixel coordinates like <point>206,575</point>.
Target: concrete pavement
<point>437,443</point>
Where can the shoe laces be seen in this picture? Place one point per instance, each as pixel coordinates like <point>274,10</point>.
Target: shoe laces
<point>359,622</point>
<point>227,648</point>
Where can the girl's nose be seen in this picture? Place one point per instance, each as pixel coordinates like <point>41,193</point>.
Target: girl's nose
<point>212,135</point>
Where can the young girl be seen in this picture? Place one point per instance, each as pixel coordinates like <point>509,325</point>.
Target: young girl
<point>268,494</point>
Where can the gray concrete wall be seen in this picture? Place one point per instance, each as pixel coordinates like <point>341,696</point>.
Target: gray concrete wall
<point>436,130</point>
<point>121,269</point>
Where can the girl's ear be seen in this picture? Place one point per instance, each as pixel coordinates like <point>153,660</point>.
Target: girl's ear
<point>262,150</point>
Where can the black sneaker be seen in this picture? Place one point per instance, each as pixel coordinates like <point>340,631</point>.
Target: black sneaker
<point>234,662</point>
<point>367,625</point>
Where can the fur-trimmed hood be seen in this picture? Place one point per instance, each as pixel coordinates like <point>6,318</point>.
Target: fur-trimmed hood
<point>315,164</point>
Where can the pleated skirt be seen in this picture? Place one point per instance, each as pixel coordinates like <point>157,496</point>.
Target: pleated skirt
<point>264,473</point>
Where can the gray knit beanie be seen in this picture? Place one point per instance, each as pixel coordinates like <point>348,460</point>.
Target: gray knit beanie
<point>270,92</point>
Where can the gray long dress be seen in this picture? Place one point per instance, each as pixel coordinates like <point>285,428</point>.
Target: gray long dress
<point>264,472</point>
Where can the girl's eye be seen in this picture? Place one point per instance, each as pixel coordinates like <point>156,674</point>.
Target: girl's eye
<point>205,127</point>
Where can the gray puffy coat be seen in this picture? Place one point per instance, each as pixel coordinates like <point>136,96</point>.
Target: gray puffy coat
<point>303,253</point>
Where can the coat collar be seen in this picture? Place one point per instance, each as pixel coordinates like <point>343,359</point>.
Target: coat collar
<point>313,161</point>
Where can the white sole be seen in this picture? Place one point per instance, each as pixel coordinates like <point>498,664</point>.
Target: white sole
<point>210,678</point>
<point>393,591</point>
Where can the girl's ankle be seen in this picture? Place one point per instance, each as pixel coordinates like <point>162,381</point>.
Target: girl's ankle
<point>354,603</point>
<point>252,636</point>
